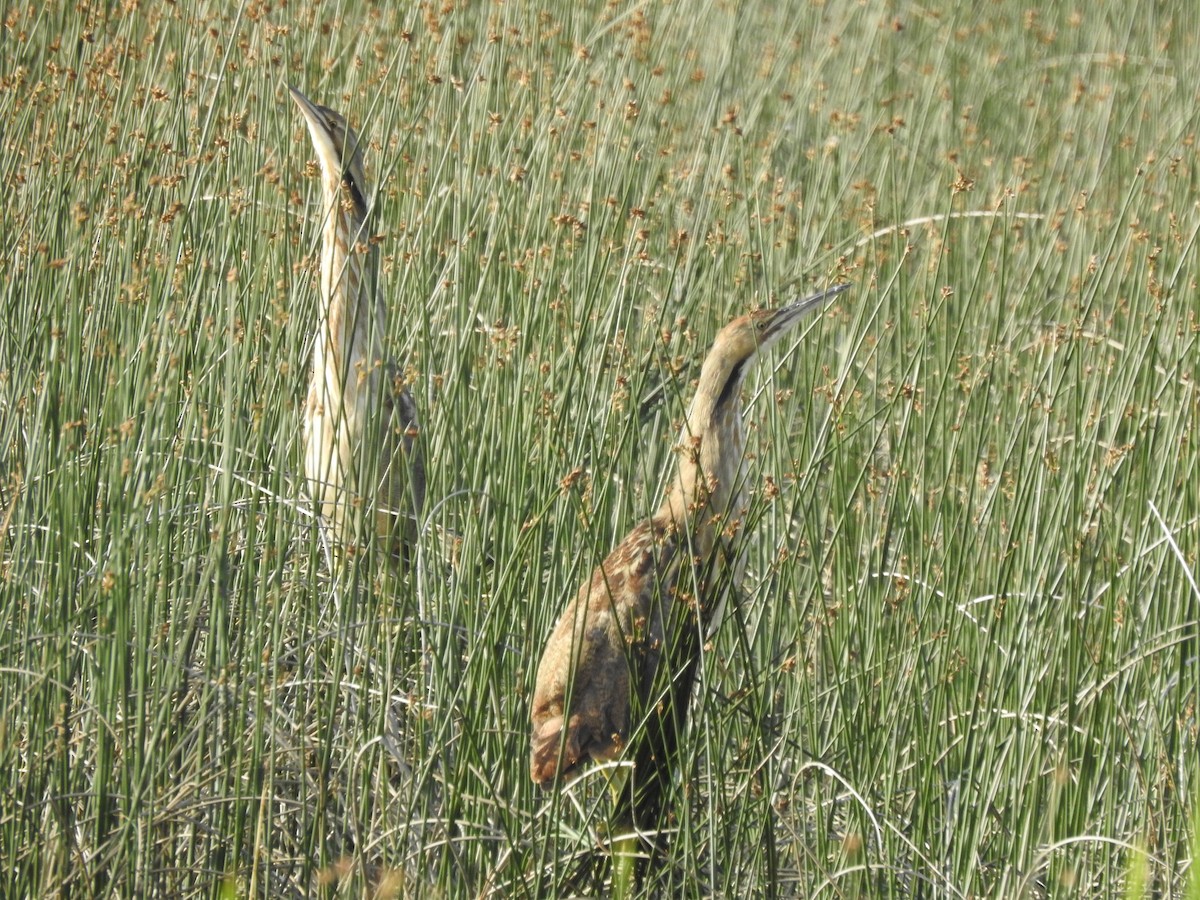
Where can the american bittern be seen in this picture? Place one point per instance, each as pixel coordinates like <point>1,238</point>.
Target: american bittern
<point>625,651</point>
<point>360,425</point>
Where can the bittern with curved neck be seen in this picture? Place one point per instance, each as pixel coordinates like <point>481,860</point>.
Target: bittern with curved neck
<point>620,662</point>
<point>361,448</point>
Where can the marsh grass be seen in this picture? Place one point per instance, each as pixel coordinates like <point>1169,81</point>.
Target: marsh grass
<point>966,659</point>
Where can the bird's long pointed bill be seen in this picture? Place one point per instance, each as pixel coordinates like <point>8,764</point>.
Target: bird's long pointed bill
<point>328,153</point>
<point>306,105</point>
<point>786,316</point>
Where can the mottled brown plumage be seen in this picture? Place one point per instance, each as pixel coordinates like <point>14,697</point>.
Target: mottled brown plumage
<point>621,660</point>
<point>360,423</point>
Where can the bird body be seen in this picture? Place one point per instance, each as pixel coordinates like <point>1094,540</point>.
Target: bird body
<point>622,658</point>
<point>609,640</point>
<point>360,422</point>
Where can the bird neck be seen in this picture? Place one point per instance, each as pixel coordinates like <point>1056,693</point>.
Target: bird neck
<point>706,496</point>
<point>353,321</point>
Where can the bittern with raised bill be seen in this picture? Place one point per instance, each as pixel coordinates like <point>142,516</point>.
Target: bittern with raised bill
<point>620,663</point>
<point>362,454</point>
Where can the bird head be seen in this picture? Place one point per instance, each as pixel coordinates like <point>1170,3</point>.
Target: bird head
<point>755,332</point>
<point>747,336</point>
<point>335,141</point>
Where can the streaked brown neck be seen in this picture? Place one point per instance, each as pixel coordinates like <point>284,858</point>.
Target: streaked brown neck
<point>707,494</point>
<point>349,264</point>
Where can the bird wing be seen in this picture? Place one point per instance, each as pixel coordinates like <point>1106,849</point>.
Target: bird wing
<point>400,478</point>
<point>608,639</point>
<point>405,475</point>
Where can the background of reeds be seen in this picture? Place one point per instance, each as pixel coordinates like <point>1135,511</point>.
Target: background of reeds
<point>966,662</point>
